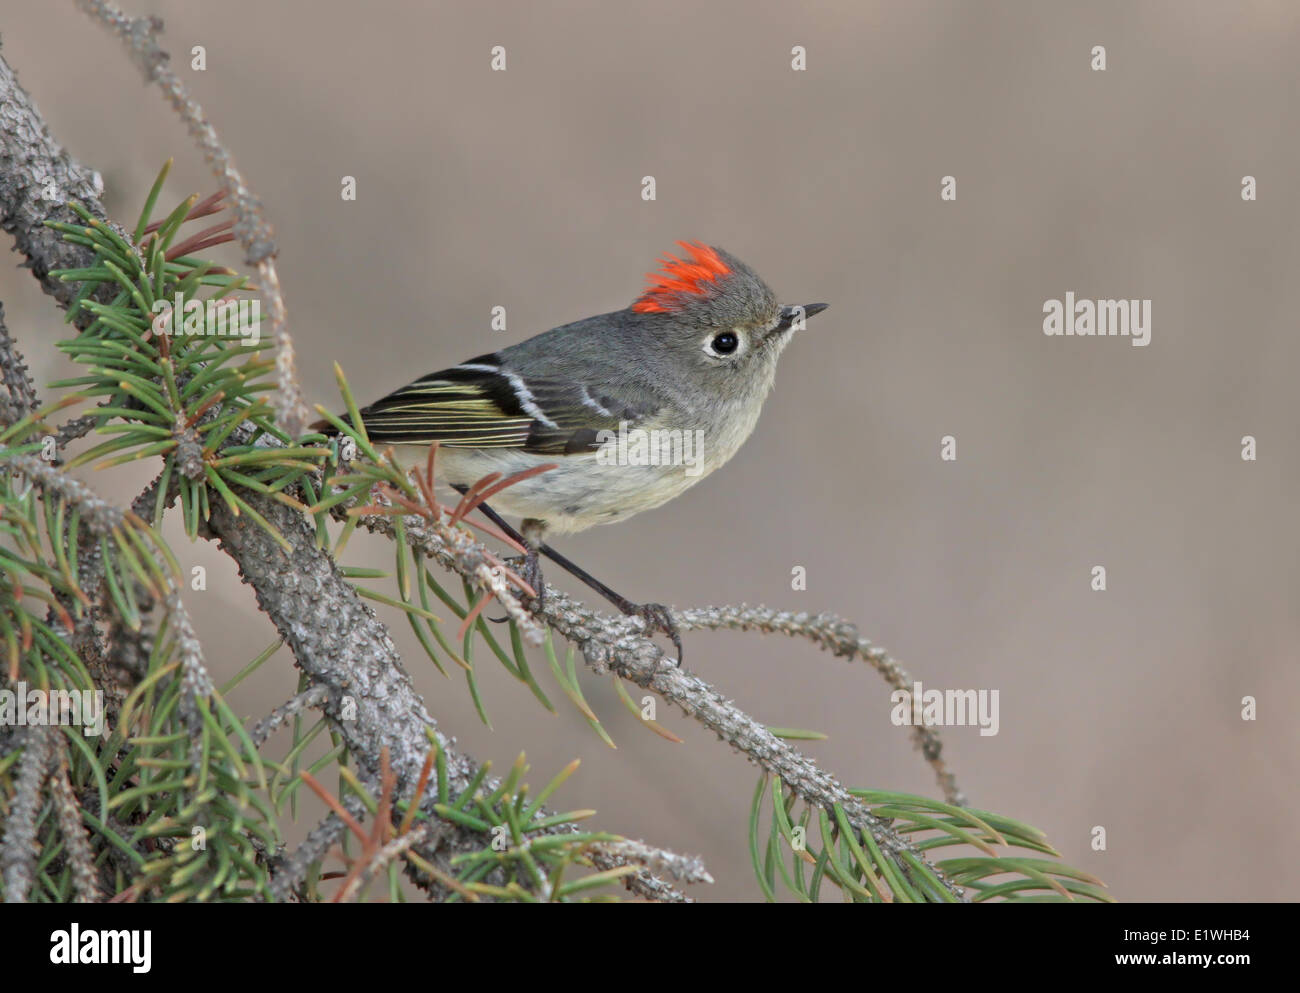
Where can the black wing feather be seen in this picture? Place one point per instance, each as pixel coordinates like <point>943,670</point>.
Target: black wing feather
<point>480,404</point>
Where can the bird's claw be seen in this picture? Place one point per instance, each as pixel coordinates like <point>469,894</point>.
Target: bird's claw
<point>530,571</point>
<point>657,617</point>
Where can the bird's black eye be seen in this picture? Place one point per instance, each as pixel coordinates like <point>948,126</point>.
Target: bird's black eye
<point>725,343</point>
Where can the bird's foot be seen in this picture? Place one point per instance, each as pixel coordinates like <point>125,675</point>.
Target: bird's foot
<point>657,617</point>
<point>531,573</point>
<point>529,569</point>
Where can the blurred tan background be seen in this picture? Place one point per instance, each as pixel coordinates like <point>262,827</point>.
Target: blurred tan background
<point>1119,709</point>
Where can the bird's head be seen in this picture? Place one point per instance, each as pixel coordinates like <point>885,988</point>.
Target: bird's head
<point>717,315</point>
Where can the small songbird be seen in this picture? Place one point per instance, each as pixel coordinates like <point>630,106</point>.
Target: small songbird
<point>631,407</point>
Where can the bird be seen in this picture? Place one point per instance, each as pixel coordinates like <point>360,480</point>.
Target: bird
<point>682,373</point>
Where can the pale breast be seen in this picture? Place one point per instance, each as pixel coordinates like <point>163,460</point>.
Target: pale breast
<point>589,489</point>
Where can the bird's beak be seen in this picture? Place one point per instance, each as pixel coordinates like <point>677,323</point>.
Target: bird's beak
<point>793,317</point>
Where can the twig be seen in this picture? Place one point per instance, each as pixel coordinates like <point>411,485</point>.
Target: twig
<point>37,179</point>
<point>22,391</point>
<point>684,868</point>
<point>378,860</point>
<point>287,878</point>
<point>104,518</point>
<point>310,698</point>
<point>840,638</point>
<point>251,227</point>
<point>80,857</point>
<point>19,850</point>
<point>457,550</point>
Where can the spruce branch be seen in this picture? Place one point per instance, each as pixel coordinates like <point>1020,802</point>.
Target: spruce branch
<point>620,645</point>
<point>290,873</point>
<point>140,35</point>
<point>38,179</point>
<point>312,698</point>
<point>686,868</point>
<point>80,855</point>
<point>17,381</point>
<point>841,639</point>
<point>19,849</point>
<point>104,519</point>
<point>102,516</point>
<point>456,549</point>
<point>344,648</point>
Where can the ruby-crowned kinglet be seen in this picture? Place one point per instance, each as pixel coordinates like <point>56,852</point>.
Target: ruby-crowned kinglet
<point>632,407</point>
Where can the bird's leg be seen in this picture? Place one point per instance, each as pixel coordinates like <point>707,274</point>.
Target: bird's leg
<point>530,536</point>
<point>656,616</point>
<point>530,566</point>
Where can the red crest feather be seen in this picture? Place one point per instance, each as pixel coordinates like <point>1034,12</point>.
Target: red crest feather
<point>681,277</point>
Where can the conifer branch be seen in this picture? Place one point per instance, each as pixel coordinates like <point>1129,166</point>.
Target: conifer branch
<point>19,850</point>
<point>346,650</point>
<point>38,179</point>
<point>140,35</point>
<point>312,698</point>
<point>841,639</point>
<point>80,856</point>
<point>17,381</point>
<point>619,645</point>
